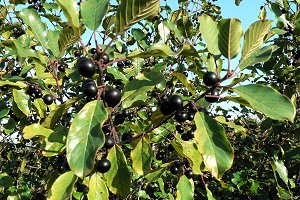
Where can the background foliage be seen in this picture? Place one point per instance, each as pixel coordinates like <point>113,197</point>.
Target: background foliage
<point>247,149</point>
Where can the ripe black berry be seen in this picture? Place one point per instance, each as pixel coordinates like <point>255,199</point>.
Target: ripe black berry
<point>160,155</point>
<point>61,68</point>
<point>77,54</point>
<point>190,116</point>
<point>175,102</point>
<point>90,89</point>
<point>104,57</point>
<point>165,108</point>
<point>179,129</point>
<point>127,62</point>
<point>103,165</point>
<point>120,64</point>
<point>125,112</point>
<point>189,174</point>
<point>86,67</point>
<point>210,79</point>
<point>119,119</point>
<point>93,51</point>
<point>113,97</point>
<point>48,99</point>
<point>171,148</point>
<point>184,137</point>
<point>181,117</point>
<point>109,142</point>
<point>212,99</point>
<point>190,134</point>
<point>174,169</point>
<point>38,93</point>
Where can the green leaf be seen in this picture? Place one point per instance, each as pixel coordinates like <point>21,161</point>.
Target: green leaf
<point>21,99</point>
<point>222,120</point>
<point>62,187</point>
<point>67,38</point>
<point>118,177</point>
<point>36,130</point>
<point>97,188</point>
<point>184,80</point>
<point>53,36</point>
<point>57,113</point>
<point>254,37</point>
<point>130,12</point>
<point>156,174</point>
<point>259,56</point>
<point>31,18</point>
<point>210,32</point>
<point>6,180</point>
<point>117,74</point>
<point>213,145</point>
<point>280,168</point>
<point>230,34</point>
<point>70,9</point>
<point>136,89</point>
<point>191,152</point>
<point>141,157</point>
<point>265,99</point>
<point>163,50</point>
<point>185,189</point>
<point>209,194</point>
<point>85,137</point>
<point>18,84</point>
<point>93,11</point>
<point>55,143</point>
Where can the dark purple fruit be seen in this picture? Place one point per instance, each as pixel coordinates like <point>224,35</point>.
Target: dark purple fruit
<point>109,142</point>
<point>160,155</point>
<point>48,99</point>
<point>119,119</point>
<point>179,129</point>
<point>175,102</point>
<point>93,51</point>
<point>86,67</point>
<point>210,79</point>
<point>77,54</point>
<point>103,165</point>
<point>165,108</point>
<point>113,97</point>
<point>190,134</point>
<point>181,117</point>
<point>104,57</point>
<point>184,137</point>
<point>174,169</point>
<point>125,112</point>
<point>90,89</point>
<point>189,174</point>
<point>127,62</point>
<point>61,68</point>
<point>191,116</point>
<point>120,64</point>
<point>212,99</point>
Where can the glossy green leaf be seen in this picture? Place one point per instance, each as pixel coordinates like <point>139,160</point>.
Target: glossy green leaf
<point>156,174</point>
<point>136,90</point>
<point>130,12</point>
<point>21,99</point>
<point>62,187</point>
<point>26,52</point>
<point>213,145</point>
<point>185,189</point>
<point>6,180</point>
<point>210,32</point>
<point>191,152</point>
<point>32,19</point>
<point>33,130</point>
<point>53,37</point>
<point>118,178</point>
<point>55,143</point>
<point>97,188</point>
<point>280,168</point>
<point>209,194</point>
<point>93,11</point>
<point>117,74</point>
<point>222,120</point>
<point>67,38</point>
<point>163,50</point>
<point>259,56</point>
<point>265,99</point>
<point>70,9</point>
<point>40,107</point>
<point>141,157</point>
<point>230,34</point>
<point>254,37</point>
<point>85,137</point>
<point>18,84</point>
<point>184,80</point>
<point>57,113</point>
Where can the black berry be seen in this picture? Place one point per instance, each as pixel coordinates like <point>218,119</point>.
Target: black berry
<point>179,129</point>
<point>175,102</point>
<point>165,108</point>
<point>210,79</point>
<point>103,165</point>
<point>174,169</point>
<point>90,89</point>
<point>113,97</point>
<point>189,174</point>
<point>86,67</point>
<point>181,117</point>
<point>109,142</point>
<point>212,99</point>
<point>190,134</point>
<point>48,99</point>
<point>104,57</point>
<point>160,155</point>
